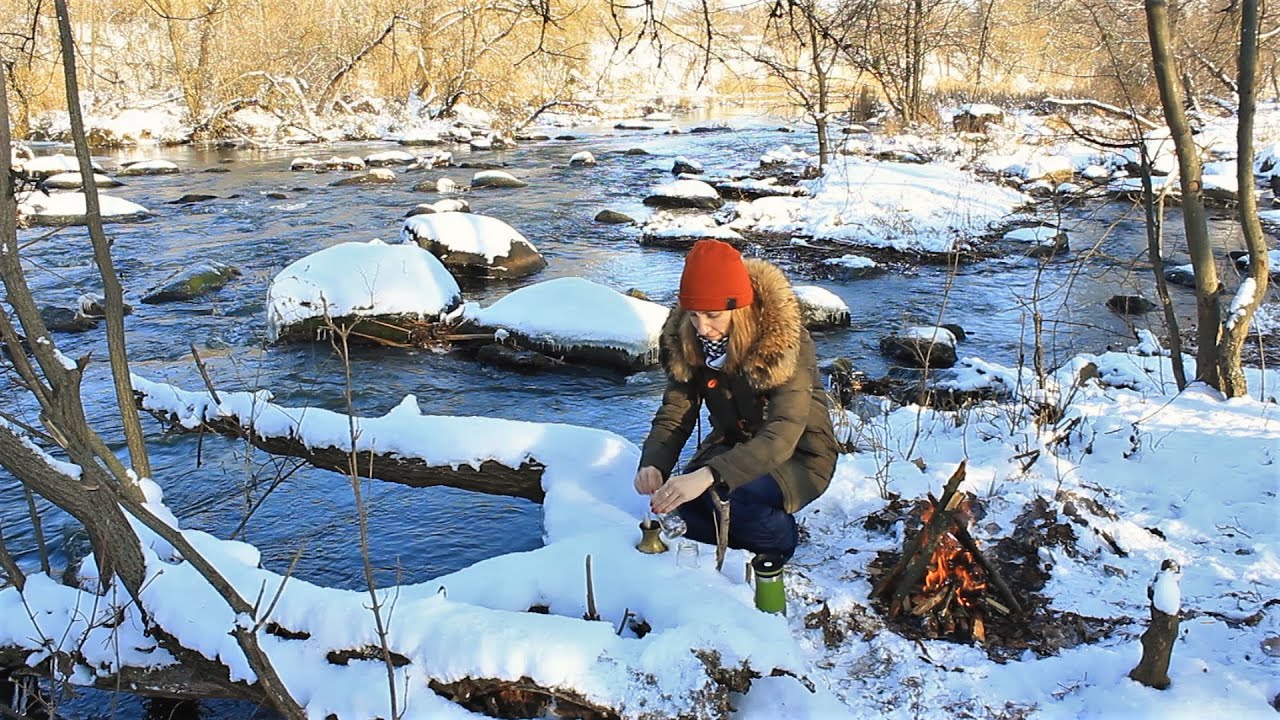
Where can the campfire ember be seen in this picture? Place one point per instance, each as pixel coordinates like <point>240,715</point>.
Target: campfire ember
<point>943,578</point>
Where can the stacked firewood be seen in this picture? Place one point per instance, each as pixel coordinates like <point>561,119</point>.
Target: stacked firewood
<point>943,578</point>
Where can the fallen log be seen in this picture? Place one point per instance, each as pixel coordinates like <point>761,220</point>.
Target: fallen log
<point>491,477</point>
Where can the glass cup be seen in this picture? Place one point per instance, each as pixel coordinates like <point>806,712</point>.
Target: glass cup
<point>673,526</point>
<point>687,554</point>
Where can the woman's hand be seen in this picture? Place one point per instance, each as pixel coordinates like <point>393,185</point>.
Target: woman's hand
<point>680,489</point>
<point>648,480</point>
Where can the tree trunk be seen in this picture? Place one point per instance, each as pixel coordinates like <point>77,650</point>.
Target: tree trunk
<point>1230,373</point>
<point>112,292</point>
<point>1157,642</point>
<point>1154,216</point>
<point>1208,312</point>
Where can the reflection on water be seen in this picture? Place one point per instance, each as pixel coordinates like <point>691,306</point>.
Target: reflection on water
<point>417,534</point>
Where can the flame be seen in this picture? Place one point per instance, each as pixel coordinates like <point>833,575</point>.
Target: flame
<point>952,564</point>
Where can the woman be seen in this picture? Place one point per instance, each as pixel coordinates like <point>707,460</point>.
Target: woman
<point>736,343</point>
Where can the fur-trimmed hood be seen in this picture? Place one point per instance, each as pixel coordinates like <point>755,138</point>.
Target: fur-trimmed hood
<point>767,357</point>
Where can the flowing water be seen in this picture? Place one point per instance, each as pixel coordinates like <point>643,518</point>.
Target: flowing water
<point>417,534</point>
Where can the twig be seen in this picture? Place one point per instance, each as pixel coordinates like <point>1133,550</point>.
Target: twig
<point>204,374</point>
<point>962,534</point>
<point>10,565</point>
<point>591,595</point>
<point>37,528</point>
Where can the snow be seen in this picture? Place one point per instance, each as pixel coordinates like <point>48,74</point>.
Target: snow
<point>1039,235</point>
<point>931,334</point>
<point>782,156</point>
<point>854,262</point>
<point>904,207</point>
<point>694,189</point>
<point>360,279</point>
<point>820,298</point>
<point>389,157</point>
<point>1241,301</point>
<point>72,205</point>
<point>73,180</point>
<point>665,224</point>
<point>150,166</point>
<point>1147,344</point>
<point>54,164</point>
<point>465,233</point>
<point>1165,594</point>
<point>979,110</point>
<point>573,311</point>
<point>582,157</point>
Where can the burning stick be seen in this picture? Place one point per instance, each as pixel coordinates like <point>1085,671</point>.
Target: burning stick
<point>919,552</point>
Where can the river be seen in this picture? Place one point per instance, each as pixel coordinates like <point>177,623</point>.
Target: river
<point>419,534</point>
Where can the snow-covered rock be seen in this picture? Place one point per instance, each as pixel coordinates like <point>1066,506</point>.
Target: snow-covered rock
<point>685,166</point>
<point>754,189</point>
<point>376,176</point>
<point>341,163</point>
<point>633,125</point>
<point>921,346</point>
<point>821,308</point>
<point>303,163</point>
<point>853,267</point>
<point>496,179</point>
<point>665,229</point>
<point>73,181</point>
<point>582,158</point>
<point>783,155</point>
<point>685,194</point>
<point>976,117</point>
<point>389,157</point>
<point>358,281</point>
<point>46,165</point>
<point>580,320</point>
<point>1273,263</point>
<point>1045,241</point>
<point>70,209</point>
<point>474,246</point>
<point>148,167</point>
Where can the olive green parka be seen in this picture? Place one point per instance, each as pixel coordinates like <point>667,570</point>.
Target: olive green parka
<point>768,408</point>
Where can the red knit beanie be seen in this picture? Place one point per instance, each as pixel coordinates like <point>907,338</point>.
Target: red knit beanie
<point>714,278</point>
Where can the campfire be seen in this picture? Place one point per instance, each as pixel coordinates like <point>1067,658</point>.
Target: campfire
<point>942,578</point>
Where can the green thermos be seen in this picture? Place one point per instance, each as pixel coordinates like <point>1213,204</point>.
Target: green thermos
<point>770,595</point>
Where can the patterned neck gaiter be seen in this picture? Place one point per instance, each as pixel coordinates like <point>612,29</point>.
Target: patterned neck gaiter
<point>714,350</point>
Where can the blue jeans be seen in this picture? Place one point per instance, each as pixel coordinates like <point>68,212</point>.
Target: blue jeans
<point>757,522</point>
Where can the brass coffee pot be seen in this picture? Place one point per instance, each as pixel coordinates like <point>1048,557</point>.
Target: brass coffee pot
<point>650,538</point>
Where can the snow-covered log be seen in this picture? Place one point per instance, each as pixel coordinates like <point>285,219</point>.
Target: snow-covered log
<point>309,434</point>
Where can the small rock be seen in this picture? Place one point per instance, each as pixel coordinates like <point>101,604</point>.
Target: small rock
<point>581,159</point>
<point>918,352</point>
<point>525,361</point>
<point>92,306</point>
<point>496,179</point>
<point>685,166</point>
<point>59,319</point>
<point>217,169</point>
<point>635,151</point>
<point>276,196</point>
<point>566,137</point>
<point>704,129</point>
<point>1130,304</point>
<point>303,163</point>
<point>1183,275</point>
<point>638,294</point>
<point>192,198</point>
<point>452,205</point>
<point>193,282</point>
<point>613,217</point>
<point>376,176</point>
<point>149,167</point>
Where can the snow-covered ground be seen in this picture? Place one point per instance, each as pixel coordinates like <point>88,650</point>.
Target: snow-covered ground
<point>1136,472</point>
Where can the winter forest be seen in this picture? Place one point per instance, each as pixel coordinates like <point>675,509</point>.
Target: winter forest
<point>332,334</point>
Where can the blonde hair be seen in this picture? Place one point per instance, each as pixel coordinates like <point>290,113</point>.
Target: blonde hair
<point>744,330</point>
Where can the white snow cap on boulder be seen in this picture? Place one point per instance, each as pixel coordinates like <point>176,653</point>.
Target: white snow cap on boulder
<point>149,167</point>
<point>573,311</point>
<point>71,208</point>
<point>360,279</point>
<point>47,165</point>
<point>929,333</point>
<point>461,232</point>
